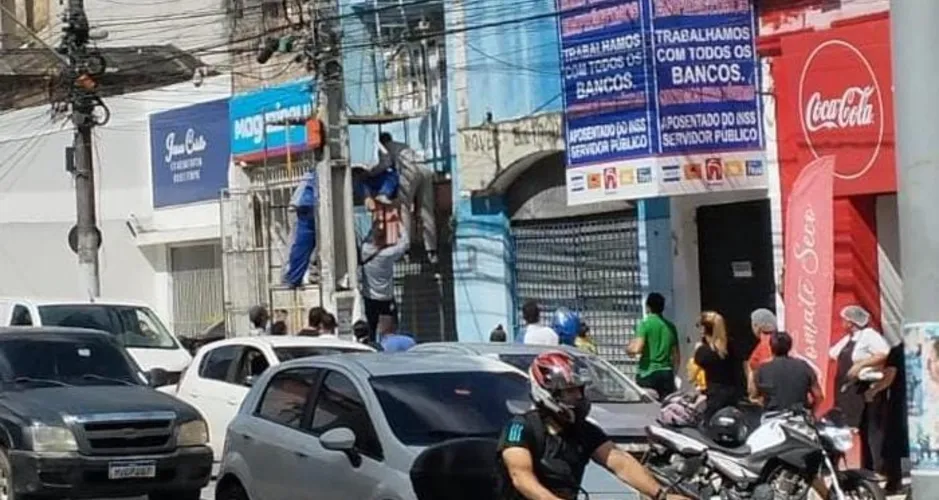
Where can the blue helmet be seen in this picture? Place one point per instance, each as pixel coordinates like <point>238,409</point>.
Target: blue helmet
<point>566,324</point>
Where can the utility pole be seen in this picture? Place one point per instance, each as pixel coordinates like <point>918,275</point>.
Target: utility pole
<point>914,37</point>
<point>83,67</point>
<point>326,49</point>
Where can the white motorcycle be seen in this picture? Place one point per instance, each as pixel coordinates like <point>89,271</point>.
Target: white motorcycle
<point>779,461</point>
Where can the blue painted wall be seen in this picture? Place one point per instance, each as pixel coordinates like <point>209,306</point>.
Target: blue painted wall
<point>513,70</point>
<point>361,96</point>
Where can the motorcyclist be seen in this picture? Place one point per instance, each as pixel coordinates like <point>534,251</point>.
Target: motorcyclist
<point>566,324</point>
<point>543,453</point>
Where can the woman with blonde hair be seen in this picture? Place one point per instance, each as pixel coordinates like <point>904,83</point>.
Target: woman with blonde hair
<point>722,366</point>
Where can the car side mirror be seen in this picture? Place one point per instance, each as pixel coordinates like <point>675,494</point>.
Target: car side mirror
<point>339,439</point>
<point>158,377</point>
<point>250,380</point>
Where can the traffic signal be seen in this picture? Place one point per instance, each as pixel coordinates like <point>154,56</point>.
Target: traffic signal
<point>269,46</point>
<point>266,49</point>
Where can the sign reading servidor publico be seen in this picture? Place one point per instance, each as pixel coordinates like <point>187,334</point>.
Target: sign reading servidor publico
<point>660,97</point>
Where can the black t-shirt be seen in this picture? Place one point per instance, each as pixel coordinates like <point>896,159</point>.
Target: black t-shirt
<point>726,372</point>
<point>563,457</point>
<point>784,383</point>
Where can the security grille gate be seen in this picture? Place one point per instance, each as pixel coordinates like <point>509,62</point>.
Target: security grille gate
<point>589,264</point>
<point>197,288</point>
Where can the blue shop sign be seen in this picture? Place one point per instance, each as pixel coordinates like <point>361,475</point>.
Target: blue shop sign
<point>189,153</point>
<point>250,112</point>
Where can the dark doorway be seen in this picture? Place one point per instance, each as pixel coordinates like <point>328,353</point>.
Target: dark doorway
<point>735,261</point>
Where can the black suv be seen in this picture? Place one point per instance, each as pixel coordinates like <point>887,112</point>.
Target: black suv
<point>79,420</point>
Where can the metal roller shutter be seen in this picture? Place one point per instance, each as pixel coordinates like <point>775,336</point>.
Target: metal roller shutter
<point>589,264</point>
<point>197,288</point>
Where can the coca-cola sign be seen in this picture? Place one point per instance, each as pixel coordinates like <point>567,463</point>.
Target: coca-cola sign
<point>842,107</point>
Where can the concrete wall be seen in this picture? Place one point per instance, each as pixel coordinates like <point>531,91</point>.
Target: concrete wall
<point>888,267</point>
<point>37,201</point>
<point>783,16</point>
<point>201,26</point>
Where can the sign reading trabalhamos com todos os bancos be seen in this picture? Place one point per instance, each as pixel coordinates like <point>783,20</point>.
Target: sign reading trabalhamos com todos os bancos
<point>655,88</point>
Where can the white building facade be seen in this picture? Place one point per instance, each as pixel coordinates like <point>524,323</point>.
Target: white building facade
<point>150,247</point>
<point>160,164</point>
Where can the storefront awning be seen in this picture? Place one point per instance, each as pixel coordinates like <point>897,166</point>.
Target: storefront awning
<point>178,236</point>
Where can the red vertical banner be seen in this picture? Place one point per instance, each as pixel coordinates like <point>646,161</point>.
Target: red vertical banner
<point>809,264</point>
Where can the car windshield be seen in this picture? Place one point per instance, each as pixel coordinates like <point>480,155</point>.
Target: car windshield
<point>426,408</point>
<point>288,353</point>
<point>133,327</point>
<point>607,383</point>
<point>78,360</point>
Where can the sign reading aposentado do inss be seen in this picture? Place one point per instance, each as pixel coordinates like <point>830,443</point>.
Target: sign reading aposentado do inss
<point>653,86</point>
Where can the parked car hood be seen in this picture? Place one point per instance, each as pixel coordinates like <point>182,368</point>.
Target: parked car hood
<point>624,420</point>
<point>50,404</point>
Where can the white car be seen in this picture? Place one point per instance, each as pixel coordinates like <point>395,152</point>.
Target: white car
<point>349,427</point>
<point>134,325</point>
<point>222,372</point>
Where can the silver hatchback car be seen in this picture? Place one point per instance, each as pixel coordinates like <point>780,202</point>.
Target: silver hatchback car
<point>346,427</point>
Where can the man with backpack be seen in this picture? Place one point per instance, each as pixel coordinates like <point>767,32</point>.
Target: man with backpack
<point>544,452</point>
<point>376,273</point>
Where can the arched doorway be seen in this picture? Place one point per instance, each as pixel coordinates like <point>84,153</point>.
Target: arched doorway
<point>583,257</point>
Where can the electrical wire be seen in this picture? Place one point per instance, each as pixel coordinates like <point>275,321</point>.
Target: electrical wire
<point>19,162</point>
<point>550,67</point>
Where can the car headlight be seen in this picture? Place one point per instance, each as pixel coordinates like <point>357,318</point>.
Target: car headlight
<point>46,438</point>
<point>194,433</point>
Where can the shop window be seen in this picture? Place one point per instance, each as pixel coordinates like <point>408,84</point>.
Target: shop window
<point>412,77</point>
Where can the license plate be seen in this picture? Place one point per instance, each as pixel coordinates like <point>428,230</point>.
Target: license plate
<point>132,470</point>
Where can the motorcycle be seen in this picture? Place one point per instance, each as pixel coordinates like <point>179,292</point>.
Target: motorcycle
<point>465,469</point>
<point>780,460</point>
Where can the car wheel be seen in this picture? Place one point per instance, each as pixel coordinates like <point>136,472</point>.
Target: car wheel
<point>230,490</point>
<point>6,477</point>
<point>176,495</point>
<point>6,480</point>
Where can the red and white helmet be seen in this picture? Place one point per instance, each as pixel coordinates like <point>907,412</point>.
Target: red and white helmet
<point>550,373</point>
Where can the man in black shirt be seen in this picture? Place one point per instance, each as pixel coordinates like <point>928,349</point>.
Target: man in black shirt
<point>786,382</point>
<point>544,452</point>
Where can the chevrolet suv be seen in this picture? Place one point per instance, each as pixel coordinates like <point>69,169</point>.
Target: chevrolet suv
<point>79,420</point>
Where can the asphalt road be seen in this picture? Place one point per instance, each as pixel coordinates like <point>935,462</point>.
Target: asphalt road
<point>207,494</point>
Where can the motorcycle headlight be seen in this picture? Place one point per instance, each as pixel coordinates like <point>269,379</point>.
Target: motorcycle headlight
<point>841,438</point>
<point>193,433</point>
<point>46,438</point>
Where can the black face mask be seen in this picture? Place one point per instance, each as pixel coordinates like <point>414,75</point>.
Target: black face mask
<point>581,410</point>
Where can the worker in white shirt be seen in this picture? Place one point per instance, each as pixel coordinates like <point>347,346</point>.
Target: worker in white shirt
<point>534,332</point>
<point>862,351</point>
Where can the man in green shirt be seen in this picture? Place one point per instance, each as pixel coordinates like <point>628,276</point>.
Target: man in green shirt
<point>656,344</point>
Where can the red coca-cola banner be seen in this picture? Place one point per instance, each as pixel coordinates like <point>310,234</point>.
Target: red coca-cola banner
<point>839,82</point>
<point>809,263</point>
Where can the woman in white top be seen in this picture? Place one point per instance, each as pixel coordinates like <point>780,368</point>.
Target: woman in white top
<point>861,348</point>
